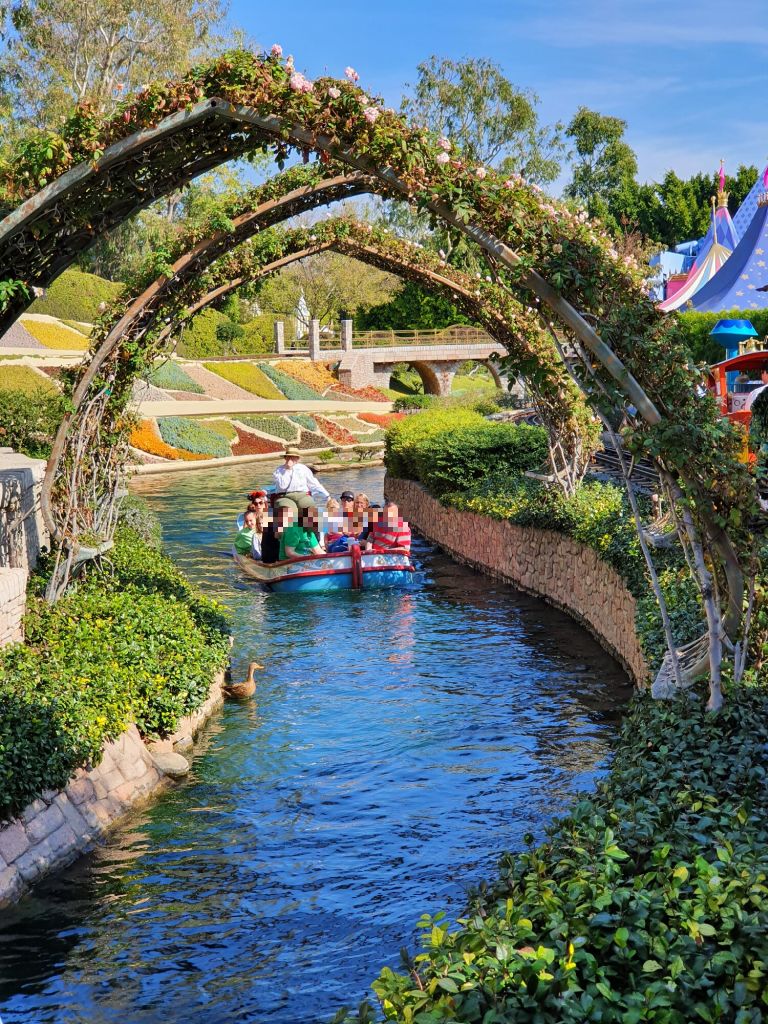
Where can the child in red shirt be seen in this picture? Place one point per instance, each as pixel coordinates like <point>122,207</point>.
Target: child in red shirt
<point>392,532</point>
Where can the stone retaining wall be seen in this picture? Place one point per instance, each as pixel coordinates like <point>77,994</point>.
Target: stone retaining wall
<point>556,568</point>
<point>58,827</point>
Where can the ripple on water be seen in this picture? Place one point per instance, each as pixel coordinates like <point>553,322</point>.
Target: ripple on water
<point>395,747</point>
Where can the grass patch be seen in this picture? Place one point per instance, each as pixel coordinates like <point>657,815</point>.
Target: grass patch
<point>223,427</point>
<point>56,336</point>
<point>26,380</point>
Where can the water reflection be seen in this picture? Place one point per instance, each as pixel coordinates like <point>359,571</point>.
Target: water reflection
<point>394,749</point>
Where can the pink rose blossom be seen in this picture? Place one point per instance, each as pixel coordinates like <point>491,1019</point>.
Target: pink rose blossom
<point>334,93</point>
<point>509,183</point>
<point>277,50</point>
<point>371,115</point>
<point>351,74</point>
<point>442,158</point>
<point>299,83</point>
<point>443,143</point>
<point>480,172</point>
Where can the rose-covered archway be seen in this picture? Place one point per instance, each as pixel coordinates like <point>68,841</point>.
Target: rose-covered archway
<point>73,185</point>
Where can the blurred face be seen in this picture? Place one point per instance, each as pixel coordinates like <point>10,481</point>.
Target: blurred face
<point>290,461</point>
<point>347,505</point>
<point>250,520</point>
<point>284,517</point>
<point>374,515</point>
<point>360,504</point>
<point>391,515</point>
<point>309,519</point>
<point>764,376</point>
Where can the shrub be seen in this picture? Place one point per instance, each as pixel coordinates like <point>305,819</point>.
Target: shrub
<point>404,437</point>
<point>190,435</point>
<point>56,336</point>
<point>146,439</point>
<point>28,422</point>
<point>409,402</point>
<point>145,650</point>
<point>292,389</point>
<point>258,336</point>
<point>199,339</point>
<point>228,332</point>
<point>247,376</point>
<point>171,376</point>
<point>26,380</point>
<point>278,426</point>
<point>646,903</point>
<point>458,457</point>
<point>136,515</point>
<point>76,295</point>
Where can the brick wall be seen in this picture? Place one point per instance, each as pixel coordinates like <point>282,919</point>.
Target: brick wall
<point>556,568</point>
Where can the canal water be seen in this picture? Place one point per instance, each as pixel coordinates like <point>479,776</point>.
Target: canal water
<point>396,746</point>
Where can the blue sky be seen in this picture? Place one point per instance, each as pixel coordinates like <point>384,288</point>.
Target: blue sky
<point>689,78</point>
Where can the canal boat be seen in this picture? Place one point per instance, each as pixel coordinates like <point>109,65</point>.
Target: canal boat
<point>352,570</point>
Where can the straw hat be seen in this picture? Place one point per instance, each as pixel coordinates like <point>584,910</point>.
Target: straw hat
<point>292,452</point>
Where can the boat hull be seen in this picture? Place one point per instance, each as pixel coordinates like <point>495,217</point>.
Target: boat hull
<point>324,573</point>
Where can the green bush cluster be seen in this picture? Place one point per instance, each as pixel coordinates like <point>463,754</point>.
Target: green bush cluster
<point>646,903</point>
<point>406,403</point>
<point>184,433</point>
<point>76,295</point>
<point>199,339</point>
<point>171,376</point>
<point>406,437</point>
<point>293,390</point>
<point>304,420</point>
<point>248,377</point>
<point>138,644</point>
<point>277,426</point>
<point>259,334</point>
<point>28,422</point>
<point>136,515</point>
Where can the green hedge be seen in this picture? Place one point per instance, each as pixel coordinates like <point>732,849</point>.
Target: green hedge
<point>293,390</point>
<point>76,295</point>
<point>143,650</point>
<point>405,438</point>
<point>171,376</point>
<point>277,426</point>
<point>181,432</point>
<point>458,457</point>
<point>199,338</point>
<point>646,903</point>
<point>28,422</point>
<point>247,376</point>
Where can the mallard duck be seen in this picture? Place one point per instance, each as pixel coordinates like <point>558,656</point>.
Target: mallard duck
<point>247,688</point>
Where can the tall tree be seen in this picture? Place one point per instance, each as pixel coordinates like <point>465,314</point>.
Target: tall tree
<point>603,160</point>
<point>475,105</point>
<point>64,51</point>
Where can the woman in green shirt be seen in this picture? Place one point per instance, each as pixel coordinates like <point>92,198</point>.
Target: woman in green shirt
<point>301,540</point>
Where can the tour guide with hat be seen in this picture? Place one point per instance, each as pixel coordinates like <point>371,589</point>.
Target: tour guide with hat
<point>295,483</point>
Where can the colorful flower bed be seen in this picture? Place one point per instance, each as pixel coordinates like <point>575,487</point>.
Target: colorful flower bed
<point>191,436</point>
<point>291,388</point>
<point>25,379</point>
<point>223,427</point>
<point>248,377</point>
<point>145,438</point>
<point>384,420</point>
<point>337,434</point>
<point>315,375</point>
<point>311,440</point>
<point>352,424</point>
<point>304,420</point>
<point>366,394</point>
<point>171,377</point>
<point>277,426</point>
<point>252,444</point>
<point>55,335</point>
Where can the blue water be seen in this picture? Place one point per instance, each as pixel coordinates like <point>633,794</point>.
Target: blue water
<point>396,746</point>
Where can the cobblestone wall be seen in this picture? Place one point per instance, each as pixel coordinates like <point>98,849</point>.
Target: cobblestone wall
<point>556,568</point>
<point>55,829</point>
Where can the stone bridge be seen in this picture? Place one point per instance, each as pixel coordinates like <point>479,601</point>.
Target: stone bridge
<point>368,360</point>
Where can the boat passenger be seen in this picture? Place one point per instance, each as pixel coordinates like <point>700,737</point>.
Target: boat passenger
<point>265,546</point>
<point>373,516</point>
<point>301,540</point>
<point>753,394</point>
<point>333,522</point>
<point>295,483</point>
<point>347,500</point>
<point>245,537</point>
<point>391,532</point>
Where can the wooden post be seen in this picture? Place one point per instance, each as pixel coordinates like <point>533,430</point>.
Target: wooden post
<point>278,329</point>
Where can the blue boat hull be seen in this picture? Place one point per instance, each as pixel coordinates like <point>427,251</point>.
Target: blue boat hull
<point>325,573</point>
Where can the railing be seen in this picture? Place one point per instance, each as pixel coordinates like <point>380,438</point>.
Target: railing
<point>459,334</point>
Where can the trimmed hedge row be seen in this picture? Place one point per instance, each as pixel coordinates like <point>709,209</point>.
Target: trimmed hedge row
<point>77,295</point>
<point>143,650</point>
<point>180,432</point>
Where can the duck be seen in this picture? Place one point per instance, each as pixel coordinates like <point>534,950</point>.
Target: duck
<point>240,691</point>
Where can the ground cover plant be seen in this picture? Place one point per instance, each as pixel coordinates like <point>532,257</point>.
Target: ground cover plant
<point>56,336</point>
<point>249,377</point>
<point>191,436</point>
<point>136,644</point>
<point>29,420</point>
<point>26,380</point>
<point>304,420</point>
<point>335,433</point>
<point>317,376</point>
<point>292,389</point>
<point>170,376</point>
<point>76,295</point>
<point>223,427</point>
<point>249,443</point>
<point>145,437</point>
<point>309,439</point>
<point>277,426</point>
<point>383,420</point>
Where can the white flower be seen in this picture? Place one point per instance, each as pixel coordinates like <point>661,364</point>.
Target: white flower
<point>442,158</point>
<point>334,93</point>
<point>371,115</point>
<point>351,74</point>
<point>480,172</point>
